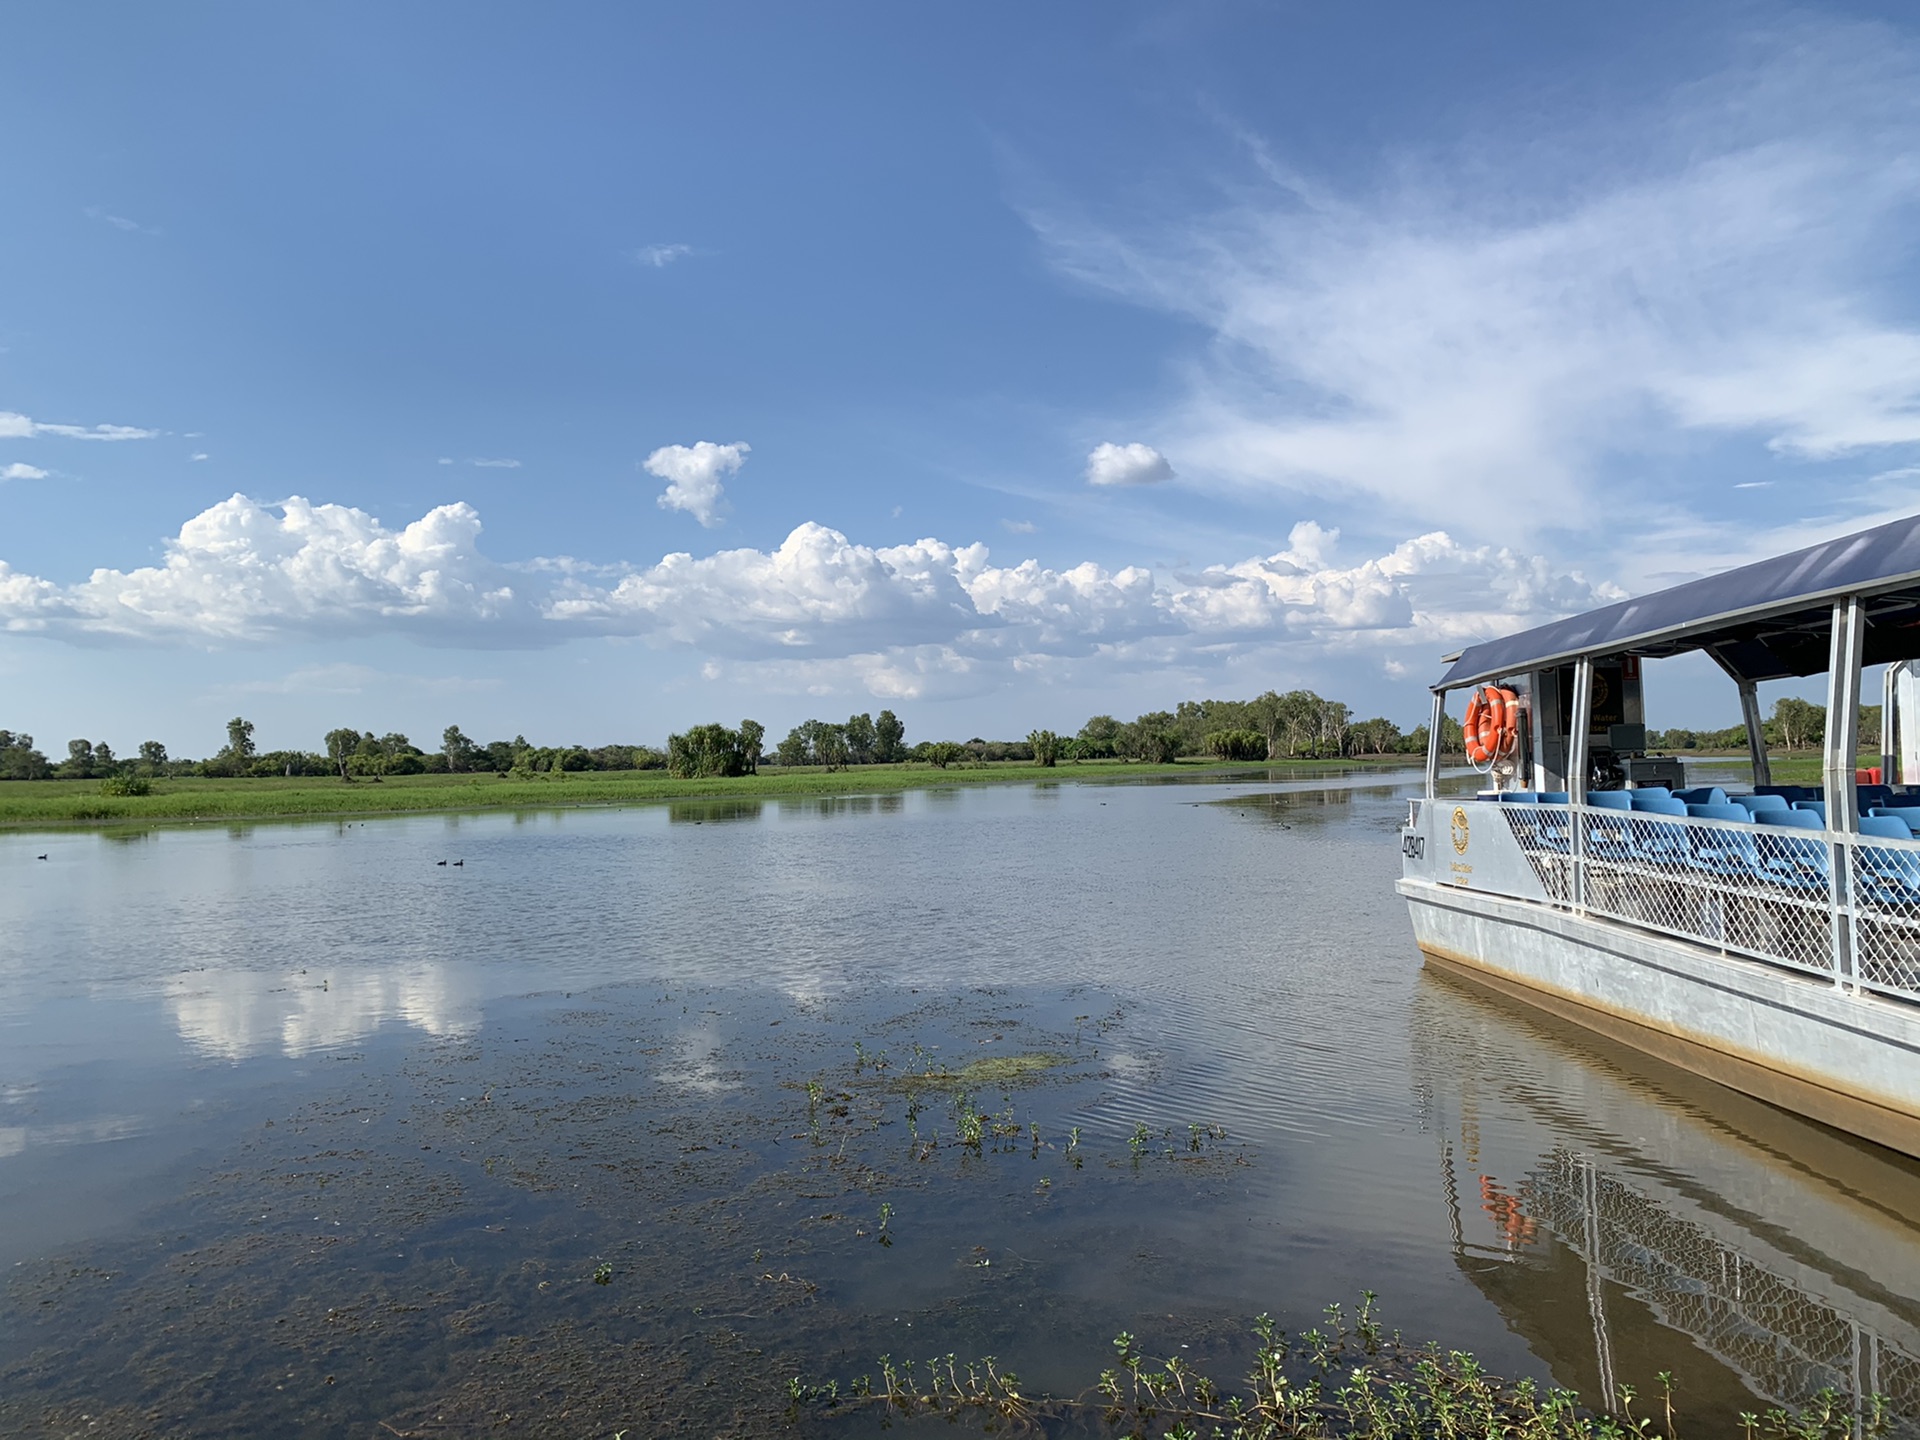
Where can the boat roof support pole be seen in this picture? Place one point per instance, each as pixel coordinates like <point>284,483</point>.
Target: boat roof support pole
<point>1890,723</point>
<point>1433,743</point>
<point>1843,716</point>
<point>1756,732</point>
<point>1574,747</point>
<point>1578,728</point>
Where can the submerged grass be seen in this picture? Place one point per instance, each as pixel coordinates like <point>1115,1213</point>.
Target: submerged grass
<point>42,803</point>
<point>1347,1379</point>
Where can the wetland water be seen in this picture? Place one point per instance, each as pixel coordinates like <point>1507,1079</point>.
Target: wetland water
<point>635,1114</point>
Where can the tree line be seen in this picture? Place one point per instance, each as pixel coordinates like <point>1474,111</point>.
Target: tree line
<point>1272,726</point>
<point>1795,724</point>
<point>1268,727</point>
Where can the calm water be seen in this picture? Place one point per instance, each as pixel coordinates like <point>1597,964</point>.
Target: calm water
<point>304,1133</point>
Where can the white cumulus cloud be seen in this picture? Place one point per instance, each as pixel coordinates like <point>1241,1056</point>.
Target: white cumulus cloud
<point>242,571</point>
<point>818,611</point>
<point>18,470</point>
<point>15,426</point>
<point>1135,464</point>
<point>693,474</point>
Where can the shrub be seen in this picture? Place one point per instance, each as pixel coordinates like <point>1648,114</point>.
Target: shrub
<point>126,785</point>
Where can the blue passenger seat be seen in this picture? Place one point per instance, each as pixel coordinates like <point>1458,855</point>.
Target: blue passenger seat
<point>1702,795</point>
<point>1731,853</point>
<point>1908,815</point>
<point>1800,862</point>
<point>1813,807</point>
<point>1654,839</point>
<point>1872,795</point>
<point>1610,799</point>
<point>1889,875</point>
<point>1760,803</point>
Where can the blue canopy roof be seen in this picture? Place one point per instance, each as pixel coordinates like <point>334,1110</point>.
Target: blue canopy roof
<point>1764,621</point>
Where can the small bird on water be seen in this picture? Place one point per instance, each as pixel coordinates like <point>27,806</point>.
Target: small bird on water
<point>39,857</point>
<point>458,863</point>
<point>439,862</point>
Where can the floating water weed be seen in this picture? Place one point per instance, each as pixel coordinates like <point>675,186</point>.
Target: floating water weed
<point>603,1273</point>
<point>1137,1142</point>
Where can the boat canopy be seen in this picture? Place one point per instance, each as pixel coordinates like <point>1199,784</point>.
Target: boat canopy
<point>1765,621</point>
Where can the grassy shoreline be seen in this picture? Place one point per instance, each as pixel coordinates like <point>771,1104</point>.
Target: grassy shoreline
<point>65,804</point>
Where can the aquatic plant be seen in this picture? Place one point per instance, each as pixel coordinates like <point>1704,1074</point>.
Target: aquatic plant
<point>1348,1380</point>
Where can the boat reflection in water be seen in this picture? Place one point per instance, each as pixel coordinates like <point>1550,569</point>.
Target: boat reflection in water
<point>1759,1257</point>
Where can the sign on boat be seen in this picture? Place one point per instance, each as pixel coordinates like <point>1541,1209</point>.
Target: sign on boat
<point>1769,940</point>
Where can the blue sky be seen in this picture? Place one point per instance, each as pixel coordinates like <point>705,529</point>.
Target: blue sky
<point>595,373</point>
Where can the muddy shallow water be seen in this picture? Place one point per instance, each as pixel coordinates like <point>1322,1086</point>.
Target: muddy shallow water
<point>635,1115</point>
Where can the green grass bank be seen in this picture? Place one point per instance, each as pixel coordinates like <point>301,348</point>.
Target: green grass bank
<point>40,804</point>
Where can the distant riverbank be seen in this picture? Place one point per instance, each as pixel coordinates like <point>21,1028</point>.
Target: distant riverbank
<point>47,803</point>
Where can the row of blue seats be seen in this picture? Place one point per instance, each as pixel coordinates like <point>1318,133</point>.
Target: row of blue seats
<point>1891,876</point>
<point>1870,795</point>
<point>1763,806</point>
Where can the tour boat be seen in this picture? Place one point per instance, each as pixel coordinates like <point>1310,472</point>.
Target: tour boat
<point>1768,940</point>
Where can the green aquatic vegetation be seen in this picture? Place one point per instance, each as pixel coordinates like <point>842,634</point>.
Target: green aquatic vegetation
<point>603,1273</point>
<point>1137,1142</point>
<point>1349,1381</point>
<point>969,1124</point>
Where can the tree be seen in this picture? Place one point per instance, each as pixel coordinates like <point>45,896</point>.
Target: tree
<point>1097,738</point>
<point>796,749</point>
<point>888,735</point>
<point>19,760</point>
<point>1046,747</point>
<point>1150,739</point>
<point>706,750</point>
<point>1331,719</point>
<point>79,762</point>
<point>153,754</point>
<point>459,750</point>
<point>942,753</point>
<point>341,747</point>
<point>1798,722</point>
<point>1235,744</point>
<point>1376,736</point>
<point>861,739</point>
<point>1268,714</point>
<point>830,746</point>
<point>239,739</point>
<point>753,739</point>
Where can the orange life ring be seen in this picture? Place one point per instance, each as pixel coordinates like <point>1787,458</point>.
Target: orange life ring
<point>1492,726</point>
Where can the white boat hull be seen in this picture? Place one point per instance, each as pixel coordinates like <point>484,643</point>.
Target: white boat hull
<point>1847,1059</point>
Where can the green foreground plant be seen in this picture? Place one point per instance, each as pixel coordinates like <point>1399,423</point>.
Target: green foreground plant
<point>1348,1379</point>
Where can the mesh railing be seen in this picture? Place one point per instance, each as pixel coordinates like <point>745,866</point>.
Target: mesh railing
<point>1749,888</point>
<point>1787,1343</point>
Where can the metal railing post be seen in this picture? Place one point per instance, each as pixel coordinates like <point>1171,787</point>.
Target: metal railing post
<point>1843,799</point>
